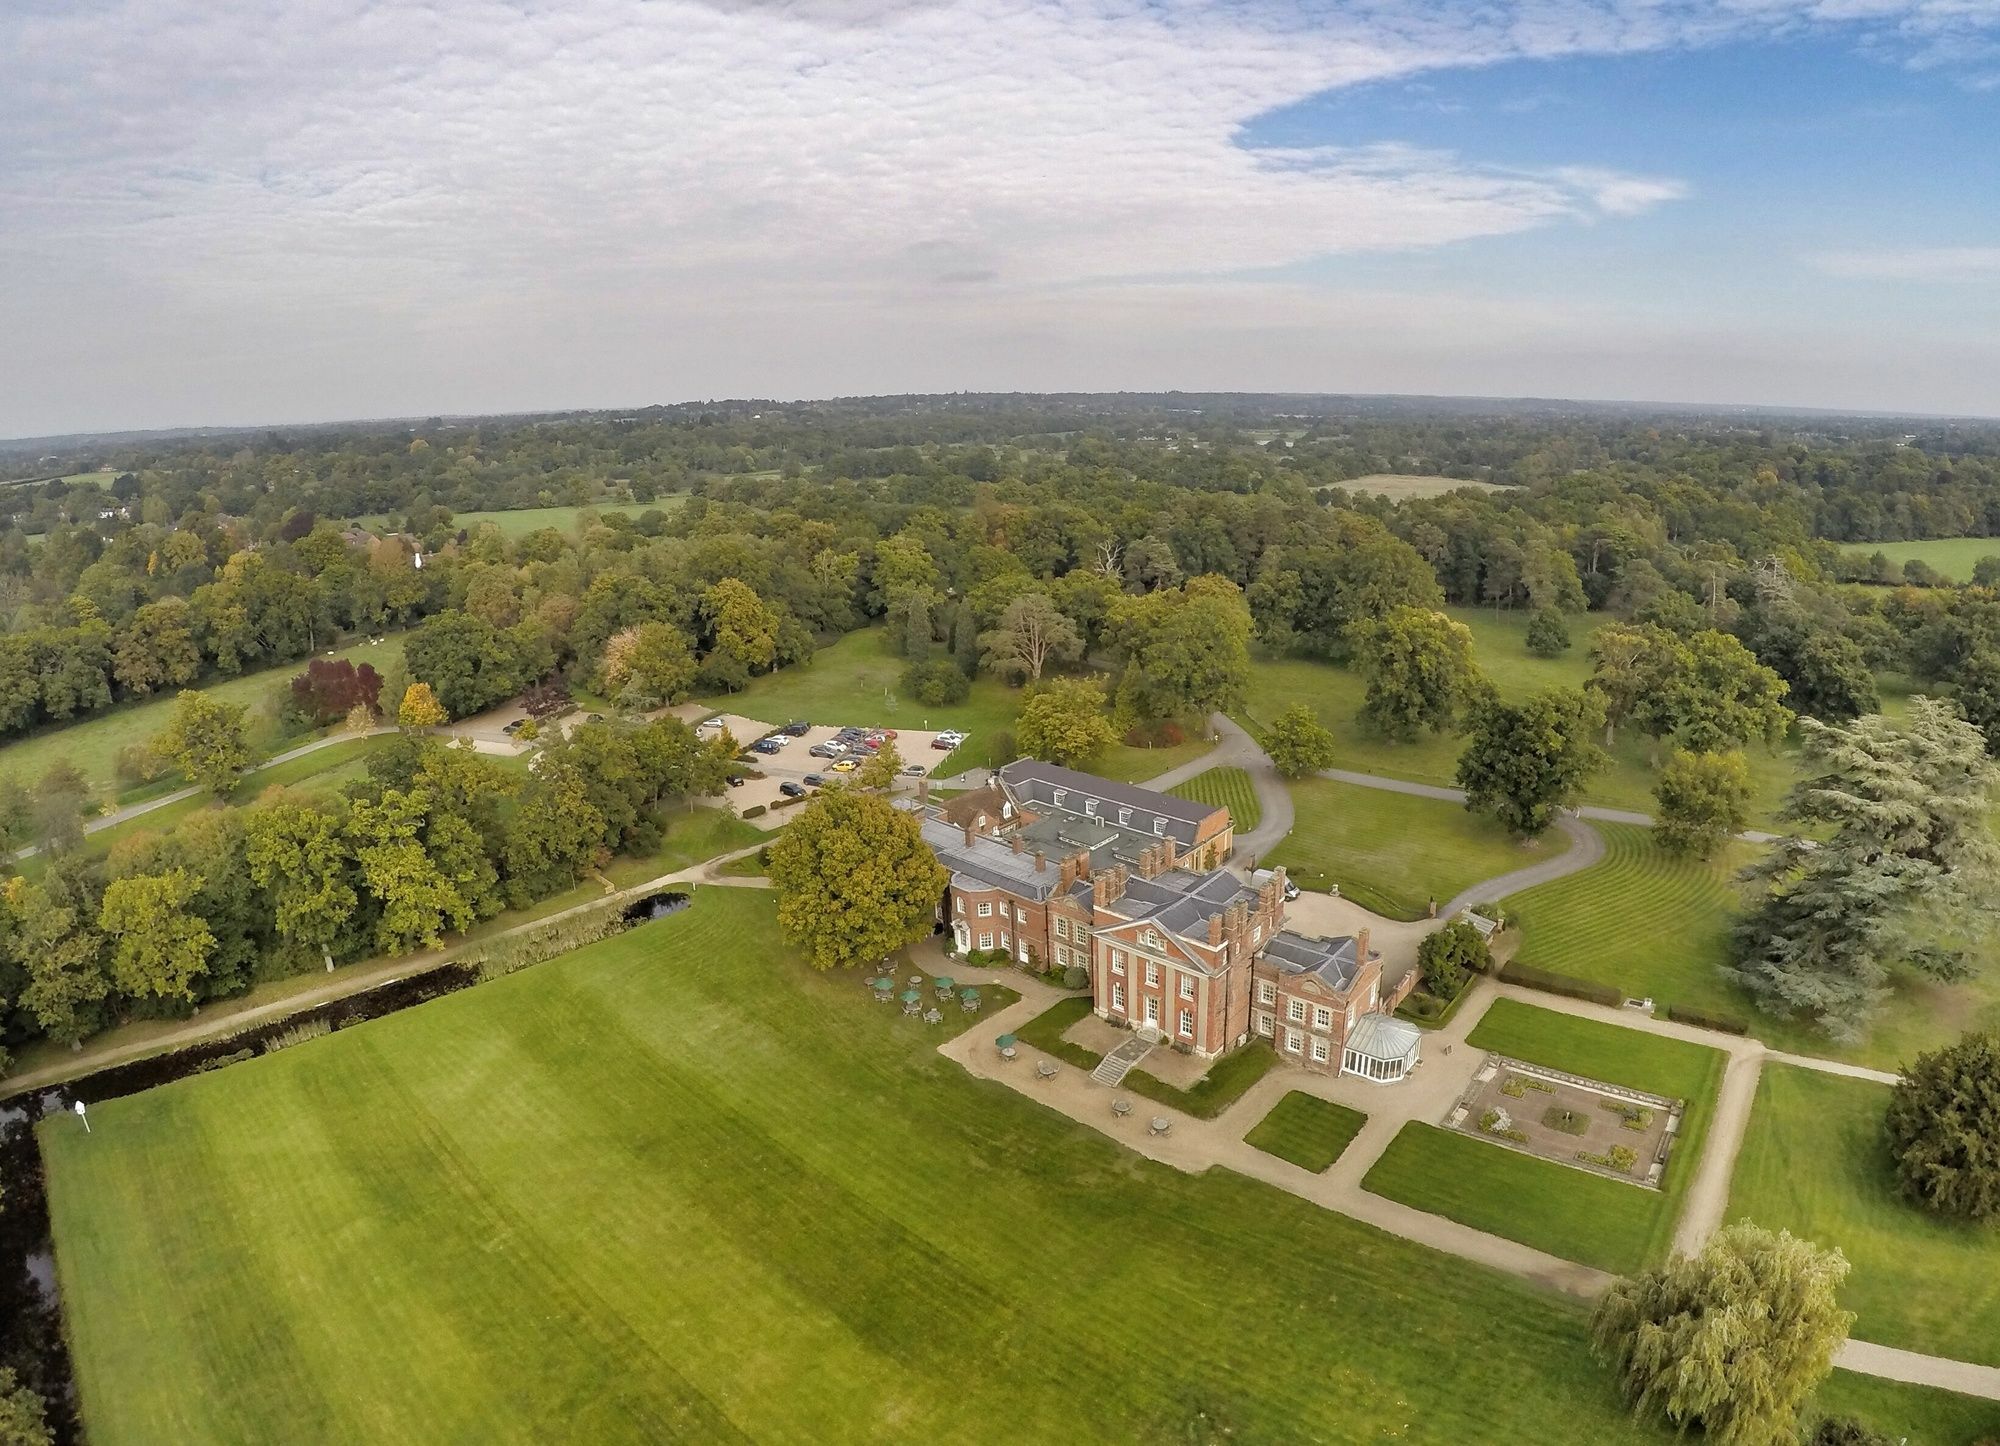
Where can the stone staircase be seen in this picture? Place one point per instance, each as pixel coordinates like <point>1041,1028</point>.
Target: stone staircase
<point>1112,1069</point>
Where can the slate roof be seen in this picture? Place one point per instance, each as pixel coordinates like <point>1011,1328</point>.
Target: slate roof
<point>1332,961</point>
<point>1181,903</point>
<point>1035,784</point>
<point>989,863</point>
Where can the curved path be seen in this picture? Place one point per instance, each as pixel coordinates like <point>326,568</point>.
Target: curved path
<point>1237,749</point>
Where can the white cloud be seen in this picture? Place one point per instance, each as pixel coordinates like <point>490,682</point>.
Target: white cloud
<point>247,183</point>
<point>1914,263</point>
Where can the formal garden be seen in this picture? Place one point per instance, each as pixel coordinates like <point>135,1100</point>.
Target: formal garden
<point>1593,1215</point>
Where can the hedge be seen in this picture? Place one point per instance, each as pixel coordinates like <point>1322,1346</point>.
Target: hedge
<point>1552,983</point>
<point>755,810</point>
<point>1701,1019</point>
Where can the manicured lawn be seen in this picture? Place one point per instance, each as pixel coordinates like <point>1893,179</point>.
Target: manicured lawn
<point>859,680</point>
<point>1658,927</point>
<point>1306,1130</point>
<point>1552,1207</point>
<point>1130,764</point>
<point>692,836</point>
<point>1392,853</point>
<point>1813,1163</point>
<point>675,1185</point>
<point>1229,787</point>
<point>1571,1213</point>
<point>1649,923</point>
<point>1951,556</point>
<point>1499,645</point>
<point>93,744</point>
<point>1226,1082</point>
<point>1925,1417</point>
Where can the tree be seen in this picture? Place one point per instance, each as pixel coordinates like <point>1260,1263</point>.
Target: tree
<point>1299,743</point>
<point>331,688</point>
<point>470,664</point>
<point>1446,956</point>
<point>1976,689</point>
<point>299,855</point>
<point>1847,1431</point>
<point>1703,800</point>
<point>742,627</point>
<point>1728,697</point>
<point>1732,1340</point>
<point>553,836</point>
<point>56,808</point>
<point>1419,669</point>
<point>1907,872</point>
<point>648,666</point>
<point>855,879</point>
<point>1188,648</point>
<point>882,769</point>
<point>420,708</point>
<point>1548,634</point>
<point>1943,1125</point>
<point>159,947</point>
<point>156,649</point>
<point>66,982</point>
<point>204,738</point>
<point>938,683</point>
<point>23,1415</point>
<point>1031,634</point>
<point>1639,673</point>
<point>419,868</point>
<point>1064,721</point>
<point>1527,760</point>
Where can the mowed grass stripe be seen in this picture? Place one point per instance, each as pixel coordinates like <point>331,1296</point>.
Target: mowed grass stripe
<point>1126,1301</point>
<point>1651,924</point>
<point>1229,788</point>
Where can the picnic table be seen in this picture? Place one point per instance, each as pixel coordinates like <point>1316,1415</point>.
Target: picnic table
<point>1121,1108</point>
<point>1047,1069</point>
<point>1160,1125</point>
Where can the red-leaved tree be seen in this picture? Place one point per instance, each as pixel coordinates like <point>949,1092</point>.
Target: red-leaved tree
<point>330,687</point>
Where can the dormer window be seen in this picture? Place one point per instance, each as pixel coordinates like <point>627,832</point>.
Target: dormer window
<point>1061,794</point>
<point>1090,807</point>
<point>1159,827</point>
<point>1124,816</point>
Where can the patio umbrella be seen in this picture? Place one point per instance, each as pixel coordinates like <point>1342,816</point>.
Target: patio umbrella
<point>882,986</point>
<point>911,996</point>
<point>944,981</point>
<point>968,993</point>
<point>1005,1041</point>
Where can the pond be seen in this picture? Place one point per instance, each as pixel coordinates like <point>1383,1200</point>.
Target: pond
<point>654,906</point>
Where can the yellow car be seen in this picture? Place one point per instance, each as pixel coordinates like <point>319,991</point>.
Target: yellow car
<point>846,765</point>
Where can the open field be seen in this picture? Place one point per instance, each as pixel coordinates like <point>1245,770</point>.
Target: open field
<point>1813,1162</point>
<point>1501,650</point>
<point>1571,1213</point>
<point>1229,788</point>
<point>1658,927</point>
<point>520,521</point>
<point>1306,1130</point>
<point>1953,557</point>
<point>93,743</point>
<point>1393,853</point>
<point>1400,486</point>
<point>675,1185</point>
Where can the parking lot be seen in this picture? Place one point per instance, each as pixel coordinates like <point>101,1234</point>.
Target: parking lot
<point>795,760</point>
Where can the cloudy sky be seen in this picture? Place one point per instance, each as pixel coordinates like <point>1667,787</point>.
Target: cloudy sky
<point>241,212</point>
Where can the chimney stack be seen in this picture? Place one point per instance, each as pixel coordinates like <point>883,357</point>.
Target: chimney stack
<point>923,790</point>
<point>968,833</point>
<point>1041,861</point>
<point>1361,948</point>
<point>1215,930</point>
<point>1172,850</point>
<point>1014,842</point>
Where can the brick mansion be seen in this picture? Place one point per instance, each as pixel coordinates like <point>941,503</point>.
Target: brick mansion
<point>1059,868</point>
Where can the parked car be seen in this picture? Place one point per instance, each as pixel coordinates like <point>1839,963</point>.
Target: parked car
<point>846,765</point>
<point>873,745</point>
<point>735,780</point>
<point>848,735</point>
<point>815,780</point>
<point>946,742</point>
<point>797,729</point>
<point>763,745</point>
<point>515,727</point>
<point>825,750</point>
<point>792,790</point>
<point>777,740</point>
<point>1291,891</point>
<point>913,770</point>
